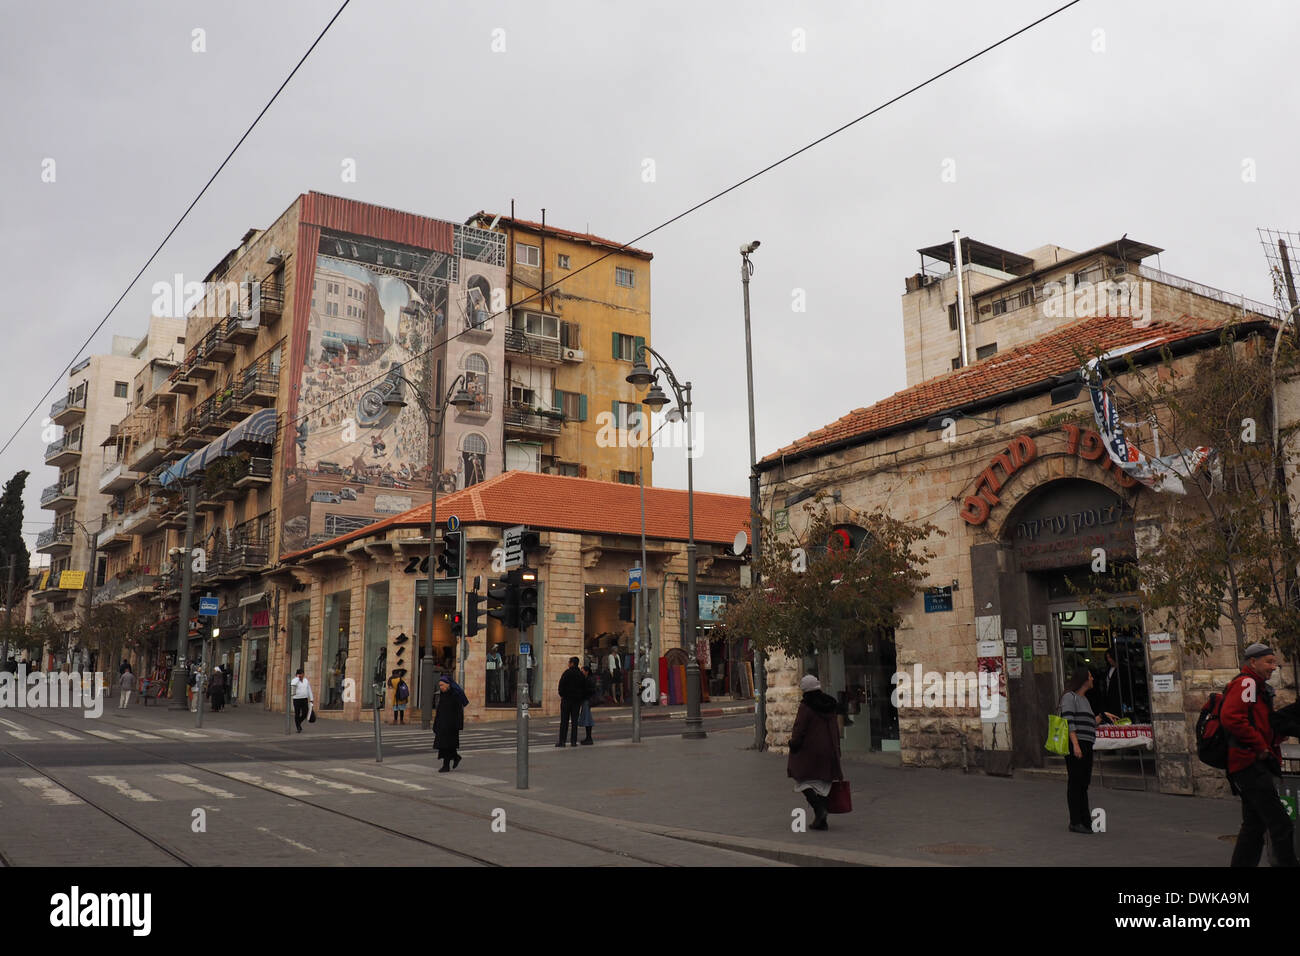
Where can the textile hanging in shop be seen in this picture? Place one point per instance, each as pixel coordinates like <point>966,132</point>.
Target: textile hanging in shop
<point>1163,473</point>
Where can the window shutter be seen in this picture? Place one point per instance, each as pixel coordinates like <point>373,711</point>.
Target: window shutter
<point>616,355</point>
<point>557,400</point>
<point>582,408</point>
<point>640,342</point>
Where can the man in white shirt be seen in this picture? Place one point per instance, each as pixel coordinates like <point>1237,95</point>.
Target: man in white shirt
<point>615,665</point>
<point>302,698</point>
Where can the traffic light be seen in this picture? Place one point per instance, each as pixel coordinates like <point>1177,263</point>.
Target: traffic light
<point>625,601</point>
<point>456,622</point>
<point>472,621</point>
<point>449,560</point>
<point>507,592</point>
<point>527,598</point>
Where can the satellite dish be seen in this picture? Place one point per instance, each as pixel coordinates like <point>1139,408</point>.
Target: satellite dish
<point>738,546</point>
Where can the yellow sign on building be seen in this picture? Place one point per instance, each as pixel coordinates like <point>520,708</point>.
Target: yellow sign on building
<point>72,580</point>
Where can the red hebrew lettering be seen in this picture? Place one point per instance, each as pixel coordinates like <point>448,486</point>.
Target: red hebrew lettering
<point>1023,450</point>
<point>1072,442</point>
<point>1092,447</point>
<point>975,510</point>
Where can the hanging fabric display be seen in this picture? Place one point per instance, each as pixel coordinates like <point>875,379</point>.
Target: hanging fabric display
<point>1163,473</point>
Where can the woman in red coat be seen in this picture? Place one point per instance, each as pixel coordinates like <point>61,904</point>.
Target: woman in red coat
<point>815,748</point>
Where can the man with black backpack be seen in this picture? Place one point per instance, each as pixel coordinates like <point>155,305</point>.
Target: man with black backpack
<point>1255,760</point>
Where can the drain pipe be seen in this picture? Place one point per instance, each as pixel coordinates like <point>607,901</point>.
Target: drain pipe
<point>961,298</point>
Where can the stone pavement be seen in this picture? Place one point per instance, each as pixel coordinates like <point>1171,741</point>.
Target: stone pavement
<point>717,792</point>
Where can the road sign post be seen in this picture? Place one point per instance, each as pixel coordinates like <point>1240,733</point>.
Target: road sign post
<point>512,539</point>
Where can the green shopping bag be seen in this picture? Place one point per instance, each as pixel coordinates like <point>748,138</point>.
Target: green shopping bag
<point>1058,735</point>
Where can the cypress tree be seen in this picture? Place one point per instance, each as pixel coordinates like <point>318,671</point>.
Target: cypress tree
<point>12,545</point>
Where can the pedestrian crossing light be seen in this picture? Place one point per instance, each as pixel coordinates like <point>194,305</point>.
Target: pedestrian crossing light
<point>456,623</point>
<point>625,605</point>
<point>449,560</point>
<point>527,598</point>
<point>507,592</point>
<point>473,623</point>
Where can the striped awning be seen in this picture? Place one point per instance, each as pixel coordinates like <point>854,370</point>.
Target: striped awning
<point>258,428</point>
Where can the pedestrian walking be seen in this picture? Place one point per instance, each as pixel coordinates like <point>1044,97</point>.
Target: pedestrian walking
<point>218,689</point>
<point>573,691</point>
<point>448,721</point>
<point>584,715</point>
<point>814,761</point>
<point>1255,762</point>
<point>1078,758</point>
<point>401,694</point>
<point>127,685</point>
<point>302,698</point>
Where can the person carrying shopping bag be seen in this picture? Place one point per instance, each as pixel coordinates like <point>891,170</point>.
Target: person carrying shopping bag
<point>815,749</point>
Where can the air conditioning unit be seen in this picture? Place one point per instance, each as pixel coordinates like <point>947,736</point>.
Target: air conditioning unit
<point>276,258</point>
<point>574,355</point>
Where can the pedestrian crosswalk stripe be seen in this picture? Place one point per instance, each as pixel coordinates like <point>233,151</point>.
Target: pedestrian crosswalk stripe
<point>321,781</point>
<point>371,776</point>
<point>50,791</point>
<point>10,723</point>
<point>103,733</point>
<point>141,734</point>
<point>124,788</point>
<point>182,733</point>
<point>21,735</point>
<point>225,733</point>
<point>66,735</point>
<point>206,788</point>
<point>281,788</point>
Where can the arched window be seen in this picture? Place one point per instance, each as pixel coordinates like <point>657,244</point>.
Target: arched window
<point>473,453</point>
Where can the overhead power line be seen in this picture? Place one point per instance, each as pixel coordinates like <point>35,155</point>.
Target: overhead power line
<point>41,401</point>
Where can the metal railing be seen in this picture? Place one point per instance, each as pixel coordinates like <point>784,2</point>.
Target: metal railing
<point>535,345</point>
<point>1209,292</point>
<point>523,417</point>
<point>58,491</point>
<point>61,445</point>
<point>482,405</point>
<point>53,536</point>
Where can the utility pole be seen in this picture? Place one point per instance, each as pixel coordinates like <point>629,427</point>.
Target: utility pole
<point>521,718</point>
<point>179,677</point>
<point>755,519</point>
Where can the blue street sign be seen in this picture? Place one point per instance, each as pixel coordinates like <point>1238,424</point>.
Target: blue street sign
<point>634,579</point>
<point>208,606</point>
<point>525,650</point>
<point>453,523</point>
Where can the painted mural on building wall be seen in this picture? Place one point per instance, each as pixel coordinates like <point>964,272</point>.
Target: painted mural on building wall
<point>375,317</point>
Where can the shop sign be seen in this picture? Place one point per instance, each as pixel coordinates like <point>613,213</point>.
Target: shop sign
<point>72,580</point>
<point>1160,642</point>
<point>1084,443</point>
<point>1063,527</point>
<point>566,617</point>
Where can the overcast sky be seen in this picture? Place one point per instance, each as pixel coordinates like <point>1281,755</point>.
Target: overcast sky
<point>1169,121</point>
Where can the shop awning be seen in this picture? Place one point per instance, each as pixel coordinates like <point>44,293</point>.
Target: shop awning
<point>252,599</point>
<point>258,429</point>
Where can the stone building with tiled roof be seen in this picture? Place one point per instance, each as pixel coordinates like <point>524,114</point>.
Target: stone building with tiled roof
<point>1001,455</point>
<point>346,600</point>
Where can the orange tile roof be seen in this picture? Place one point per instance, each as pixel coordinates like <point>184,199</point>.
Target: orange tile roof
<point>528,225</point>
<point>559,503</point>
<point>1030,364</point>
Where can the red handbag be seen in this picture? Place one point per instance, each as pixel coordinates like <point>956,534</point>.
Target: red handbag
<point>840,798</point>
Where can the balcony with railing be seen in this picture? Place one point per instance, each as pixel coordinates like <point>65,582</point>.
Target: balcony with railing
<point>537,347</point>
<point>150,434</point>
<point>54,539</point>
<point>116,477</point>
<point>259,384</point>
<point>479,410</point>
<point>59,496</point>
<point>69,410</point>
<point>263,302</point>
<point>1209,292</point>
<point>134,582</point>
<point>533,421</point>
<point>64,451</point>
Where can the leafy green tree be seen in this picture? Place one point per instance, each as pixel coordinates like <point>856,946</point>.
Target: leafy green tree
<point>818,594</point>
<point>12,546</point>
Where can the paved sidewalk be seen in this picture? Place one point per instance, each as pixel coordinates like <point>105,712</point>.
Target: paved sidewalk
<point>717,792</point>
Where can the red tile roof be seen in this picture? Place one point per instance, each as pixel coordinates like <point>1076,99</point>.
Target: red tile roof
<point>528,225</point>
<point>558,503</point>
<point>1029,364</point>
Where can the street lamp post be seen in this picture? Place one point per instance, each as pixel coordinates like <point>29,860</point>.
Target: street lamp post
<point>755,530</point>
<point>641,375</point>
<point>460,398</point>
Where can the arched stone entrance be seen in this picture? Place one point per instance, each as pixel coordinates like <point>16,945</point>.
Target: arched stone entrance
<point>1050,533</point>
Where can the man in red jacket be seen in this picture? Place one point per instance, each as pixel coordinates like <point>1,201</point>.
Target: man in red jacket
<point>1254,760</point>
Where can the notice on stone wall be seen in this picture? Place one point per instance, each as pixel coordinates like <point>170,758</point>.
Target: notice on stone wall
<point>1009,635</point>
<point>1014,665</point>
<point>1040,647</point>
<point>1040,632</point>
<point>1162,683</point>
<point>1042,665</point>
<point>1160,642</point>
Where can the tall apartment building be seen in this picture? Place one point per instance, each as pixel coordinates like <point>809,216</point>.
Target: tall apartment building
<point>300,410</point>
<point>100,390</point>
<point>569,349</point>
<point>1010,298</point>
